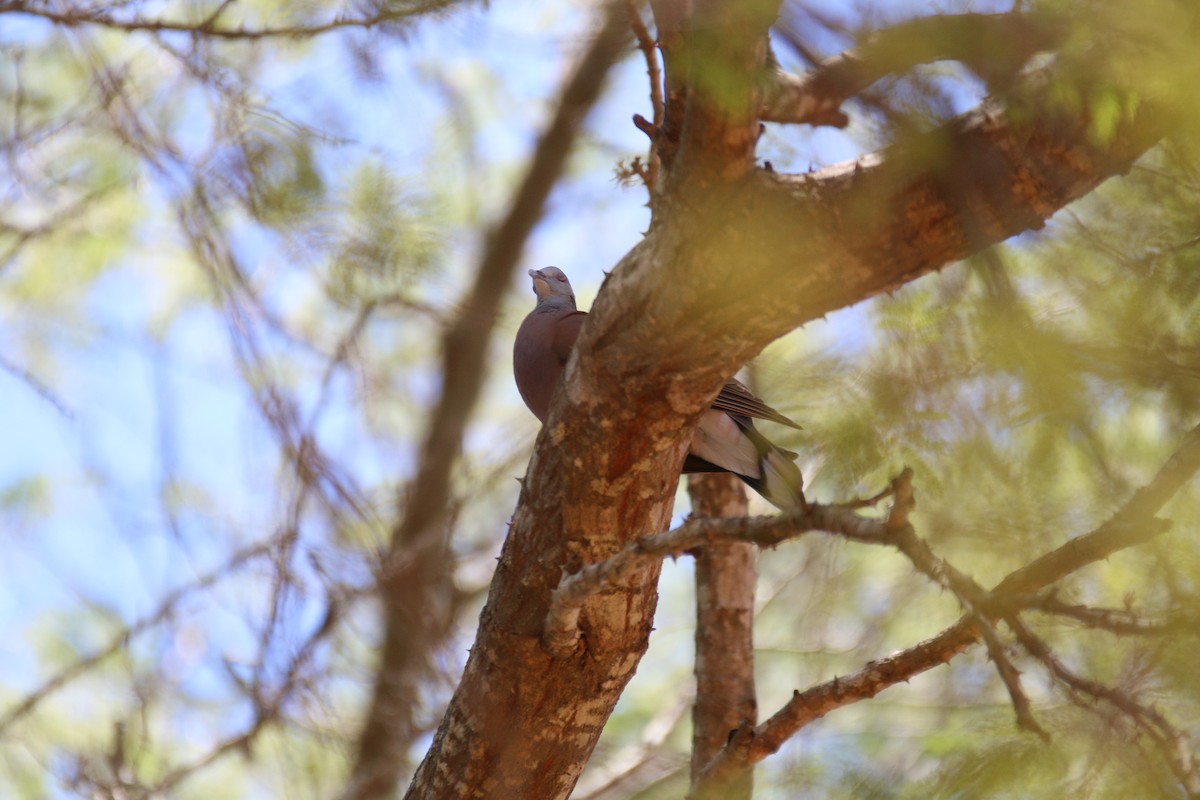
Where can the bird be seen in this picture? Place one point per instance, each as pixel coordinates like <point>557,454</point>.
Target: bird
<point>725,439</point>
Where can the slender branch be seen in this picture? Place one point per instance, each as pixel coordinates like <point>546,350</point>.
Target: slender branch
<point>868,502</point>
<point>810,705</point>
<point>208,28</point>
<point>1009,675</point>
<point>651,128</point>
<point>1172,743</point>
<point>561,632</point>
<point>902,489</point>
<point>975,600</point>
<point>1133,524</point>
<point>1118,621</point>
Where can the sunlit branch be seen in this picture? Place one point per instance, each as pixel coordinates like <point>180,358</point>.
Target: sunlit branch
<point>561,633</point>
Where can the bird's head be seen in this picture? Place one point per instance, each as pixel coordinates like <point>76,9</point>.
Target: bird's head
<point>551,286</point>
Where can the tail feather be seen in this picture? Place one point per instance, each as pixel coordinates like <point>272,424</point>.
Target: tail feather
<point>730,443</point>
<point>779,479</point>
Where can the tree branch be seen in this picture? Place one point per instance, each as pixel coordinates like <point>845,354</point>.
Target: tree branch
<point>1133,524</point>
<point>813,243</point>
<point>74,17</point>
<point>1136,525</point>
<point>561,633</point>
<point>714,55</point>
<point>723,271</point>
<point>1171,742</point>
<point>1118,621</point>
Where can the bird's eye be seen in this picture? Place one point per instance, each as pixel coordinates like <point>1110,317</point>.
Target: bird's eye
<point>561,277</point>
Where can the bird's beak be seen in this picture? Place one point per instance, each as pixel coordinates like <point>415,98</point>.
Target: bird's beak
<point>539,278</point>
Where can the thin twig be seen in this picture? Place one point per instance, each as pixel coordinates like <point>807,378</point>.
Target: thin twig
<point>1172,743</point>
<point>1117,620</point>
<point>560,635</point>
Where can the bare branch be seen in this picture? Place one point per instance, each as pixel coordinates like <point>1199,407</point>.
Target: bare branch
<point>814,703</point>
<point>1133,524</point>
<point>1117,620</point>
<point>902,489</point>
<point>975,600</point>
<point>561,629</point>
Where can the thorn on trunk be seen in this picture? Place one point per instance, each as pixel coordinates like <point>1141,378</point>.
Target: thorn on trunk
<point>647,127</point>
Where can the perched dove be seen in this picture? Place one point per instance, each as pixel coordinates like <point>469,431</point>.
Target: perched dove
<point>725,439</point>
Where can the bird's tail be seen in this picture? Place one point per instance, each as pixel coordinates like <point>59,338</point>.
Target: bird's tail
<point>781,482</point>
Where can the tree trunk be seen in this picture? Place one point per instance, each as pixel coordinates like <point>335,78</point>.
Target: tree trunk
<point>725,581</point>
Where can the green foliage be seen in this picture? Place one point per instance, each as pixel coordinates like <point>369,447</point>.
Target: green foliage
<point>388,239</point>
